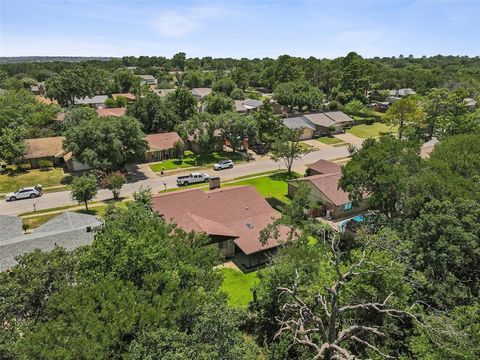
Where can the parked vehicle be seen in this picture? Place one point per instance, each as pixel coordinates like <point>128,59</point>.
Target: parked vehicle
<point>223,164</point>
<point>192,178</point>
<point>25,193</point>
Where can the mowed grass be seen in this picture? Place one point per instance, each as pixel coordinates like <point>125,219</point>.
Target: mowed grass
<point>12,180</point>
<point>376,129</point>
<point>329,140</point>
<point>274,185</point>
<point>98,210</point>
<point>238,286</point>
<point>195,160</point>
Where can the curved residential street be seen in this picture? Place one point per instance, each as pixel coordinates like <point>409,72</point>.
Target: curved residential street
<point>62,198</point>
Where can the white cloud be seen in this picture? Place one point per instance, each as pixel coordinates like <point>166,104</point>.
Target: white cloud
<point>172,23</point>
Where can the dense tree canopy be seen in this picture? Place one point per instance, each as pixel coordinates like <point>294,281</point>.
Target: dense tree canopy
<point>106,143</point>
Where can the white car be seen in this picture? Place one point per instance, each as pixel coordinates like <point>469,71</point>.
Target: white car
<point>24,193</point>
<point>193,178</point>
<point>223,164</point>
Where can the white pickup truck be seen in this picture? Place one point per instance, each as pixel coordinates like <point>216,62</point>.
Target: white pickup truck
<point>192,178</point>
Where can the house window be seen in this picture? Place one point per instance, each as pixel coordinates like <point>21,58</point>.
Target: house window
<point>347,206</point>
<point>221,245</point>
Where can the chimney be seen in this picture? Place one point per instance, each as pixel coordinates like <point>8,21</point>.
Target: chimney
<point>214,182</point>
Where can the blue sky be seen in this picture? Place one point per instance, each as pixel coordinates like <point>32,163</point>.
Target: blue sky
<point>320,28</point>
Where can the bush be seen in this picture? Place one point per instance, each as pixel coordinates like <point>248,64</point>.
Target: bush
<point>43,164</point>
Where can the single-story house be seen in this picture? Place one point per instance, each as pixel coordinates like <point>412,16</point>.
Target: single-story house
<point>327,199</point>
<point>233,218</point>
<point>161,146</point>
<point>148,79</point>
<point>48,148</point>
<point>321,123</point>
<point>51,149</point>
<point>323,167</point>
<point>300,122</point>
<point>245,106</point>
<point>130,97</point>
<point>74,165</point>
<point>68,230</point>
<point>200,93</point>
<point>111,111</point>
<point>95,101</point>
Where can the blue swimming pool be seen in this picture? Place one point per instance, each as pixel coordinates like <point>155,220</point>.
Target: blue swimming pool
<point>341,226</point>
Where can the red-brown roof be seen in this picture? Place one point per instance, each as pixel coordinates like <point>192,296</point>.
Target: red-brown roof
<point>327,184</point>
<point>236,212</point>
<point>325,167</point>
<point>111,111</point>
<point>44,147</point>
<point>163,141</point>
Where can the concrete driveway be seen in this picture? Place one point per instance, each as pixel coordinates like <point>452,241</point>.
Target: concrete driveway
<point>352,139</point>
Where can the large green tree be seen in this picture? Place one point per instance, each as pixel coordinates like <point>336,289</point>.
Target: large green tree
<point>381,172</point>
<point>236,128</point>
<point>404,113</point>
<point>183,102</point>
<point>287,147</point>
<point>154,112</point>
<point>106,143</point>
<point>299,95</point>
<point>218,103</point>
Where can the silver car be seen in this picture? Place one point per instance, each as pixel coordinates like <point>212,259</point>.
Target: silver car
<point>24,193</point>
<point>223,164</point>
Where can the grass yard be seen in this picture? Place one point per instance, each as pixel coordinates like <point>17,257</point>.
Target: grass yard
<point>11,180</point>
<point>238,286</point>
<point>96,210</point>
<point>193,160</point>
<point>330,140</point>
<point>273,185</point>
<point>376,129</point>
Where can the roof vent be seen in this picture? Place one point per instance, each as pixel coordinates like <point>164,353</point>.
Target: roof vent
<point>250,226</point>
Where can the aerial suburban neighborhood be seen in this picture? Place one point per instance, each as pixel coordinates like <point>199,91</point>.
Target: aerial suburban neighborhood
<point>172,204</point>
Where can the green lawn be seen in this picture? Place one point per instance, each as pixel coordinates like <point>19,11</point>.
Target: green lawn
<point>376,129</point>
<point>273,185</point>
<point>238,286</point>
<point>98,210</point>
<point>12,180</point>
<point>191,160</point>
<point>330,140</point>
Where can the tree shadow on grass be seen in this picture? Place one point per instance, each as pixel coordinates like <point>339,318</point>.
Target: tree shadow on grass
<point>284,176</point>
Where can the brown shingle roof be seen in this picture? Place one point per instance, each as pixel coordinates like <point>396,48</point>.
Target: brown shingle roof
<point>339,116</point>
<point>320,119</point>
<point>325,167</point>
<point>44,147</point>
<point>111,112</point>
<point>163,141</point>
<point>327,184</point>
<point>237,212</point>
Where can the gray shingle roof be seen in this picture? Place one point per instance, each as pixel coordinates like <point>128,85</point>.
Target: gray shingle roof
<point>68,230</point>
<point>10,227</point>
<point>99,99</point>
<point>252,103</point>
<point>320,119</point>
<point>298,123</point>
